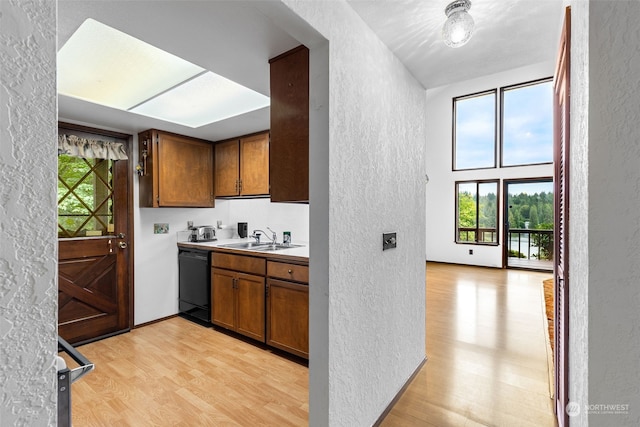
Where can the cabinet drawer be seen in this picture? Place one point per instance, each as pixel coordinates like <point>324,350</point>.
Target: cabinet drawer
<point>281,270</point>
<point>245,264</point>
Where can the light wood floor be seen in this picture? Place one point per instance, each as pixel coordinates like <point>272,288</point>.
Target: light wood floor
<point>178,373</point>
<point>487,365</point>
<point>486,350</point>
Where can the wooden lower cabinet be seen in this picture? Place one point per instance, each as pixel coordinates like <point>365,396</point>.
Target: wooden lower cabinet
<point>288,307</point>
<point>238,302</point>
<point>223,289</point>
<point>264,299</point>
<point>288,316</point>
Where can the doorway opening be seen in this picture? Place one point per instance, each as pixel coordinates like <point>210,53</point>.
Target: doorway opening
<point>528,234</point>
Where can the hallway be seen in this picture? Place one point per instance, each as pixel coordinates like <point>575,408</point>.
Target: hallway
<point>487,361</point>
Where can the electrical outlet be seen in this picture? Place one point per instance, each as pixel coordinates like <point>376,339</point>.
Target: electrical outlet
<point>470,251</point>
<point>388,241</point>
<point>189,225</point>
<point>162,228</point>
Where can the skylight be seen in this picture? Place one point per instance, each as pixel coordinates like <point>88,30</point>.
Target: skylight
<point>105,66</point>
<point>202,100</point>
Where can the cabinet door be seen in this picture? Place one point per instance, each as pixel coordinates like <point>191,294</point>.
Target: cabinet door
<point>254,165</point>
<point>185,172</point>
<point>288,317</point>
<point>227,168</point>
<point>250,300</point>
<point>289,148</point>
<point>222,298</point>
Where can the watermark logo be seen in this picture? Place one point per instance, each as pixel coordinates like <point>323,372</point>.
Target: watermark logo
<point>608,409</point>
<point>573,409</point>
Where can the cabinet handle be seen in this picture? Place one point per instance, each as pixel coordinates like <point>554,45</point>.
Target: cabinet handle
<point>290,271</point>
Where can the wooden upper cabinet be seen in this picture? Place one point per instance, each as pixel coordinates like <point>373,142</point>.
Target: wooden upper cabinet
<point>177,170</point>
<point>242,166</point>
<point>289,149</point>
<point>254,165</point>
<point>227,168</point>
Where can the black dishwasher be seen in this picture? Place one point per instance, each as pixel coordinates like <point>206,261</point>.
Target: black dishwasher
<point>195,284</point>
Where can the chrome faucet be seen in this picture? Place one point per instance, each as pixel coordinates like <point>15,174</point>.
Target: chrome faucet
<point>274,236</point>
<point>257,233</point>
<point>256,236</point>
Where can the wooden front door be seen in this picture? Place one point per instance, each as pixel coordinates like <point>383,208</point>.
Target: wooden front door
<point>561,226</point>
<point>94,250</point>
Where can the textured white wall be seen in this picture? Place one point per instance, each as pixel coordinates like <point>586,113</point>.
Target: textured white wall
<point>375,300</point>
<point>28,230</point>
<point>614,209</point>
<point>579,206</point>
<point>156,257</point>
<point>440,234</point>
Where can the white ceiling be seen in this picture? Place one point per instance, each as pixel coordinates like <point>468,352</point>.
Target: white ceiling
<point>236,39</point>
<point>508,34</point>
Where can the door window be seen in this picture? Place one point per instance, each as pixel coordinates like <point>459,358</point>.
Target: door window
<point>85,197</point>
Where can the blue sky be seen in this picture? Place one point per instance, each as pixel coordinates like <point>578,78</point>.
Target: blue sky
<point>475,132</point>
<point>527,127</point>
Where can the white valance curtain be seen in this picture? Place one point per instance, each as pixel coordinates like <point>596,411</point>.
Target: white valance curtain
<point>72,145</point>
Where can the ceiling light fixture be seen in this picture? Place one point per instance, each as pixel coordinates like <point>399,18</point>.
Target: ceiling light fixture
<point>458,28</point>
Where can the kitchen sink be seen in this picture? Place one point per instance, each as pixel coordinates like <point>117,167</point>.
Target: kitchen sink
<point>244,245</point>
<point>277,247</point>
<point>253,246</point>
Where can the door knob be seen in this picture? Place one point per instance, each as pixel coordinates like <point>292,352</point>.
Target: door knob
<point>123,245</point>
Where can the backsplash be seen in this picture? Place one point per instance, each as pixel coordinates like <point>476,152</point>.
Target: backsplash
<point>261,213</point>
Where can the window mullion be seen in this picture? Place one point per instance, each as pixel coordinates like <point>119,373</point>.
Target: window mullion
<point>477,212</point>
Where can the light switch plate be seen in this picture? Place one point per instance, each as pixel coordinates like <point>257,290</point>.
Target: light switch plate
<point>162,228</point>
<point>388,241</point>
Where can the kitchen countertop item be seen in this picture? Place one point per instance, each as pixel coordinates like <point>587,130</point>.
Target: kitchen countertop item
<point>203,233</point>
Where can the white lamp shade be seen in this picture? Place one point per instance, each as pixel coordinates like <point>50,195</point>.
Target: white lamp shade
<point>458,28</point>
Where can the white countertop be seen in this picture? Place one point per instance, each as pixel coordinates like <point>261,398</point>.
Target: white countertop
<point>293,254</point>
